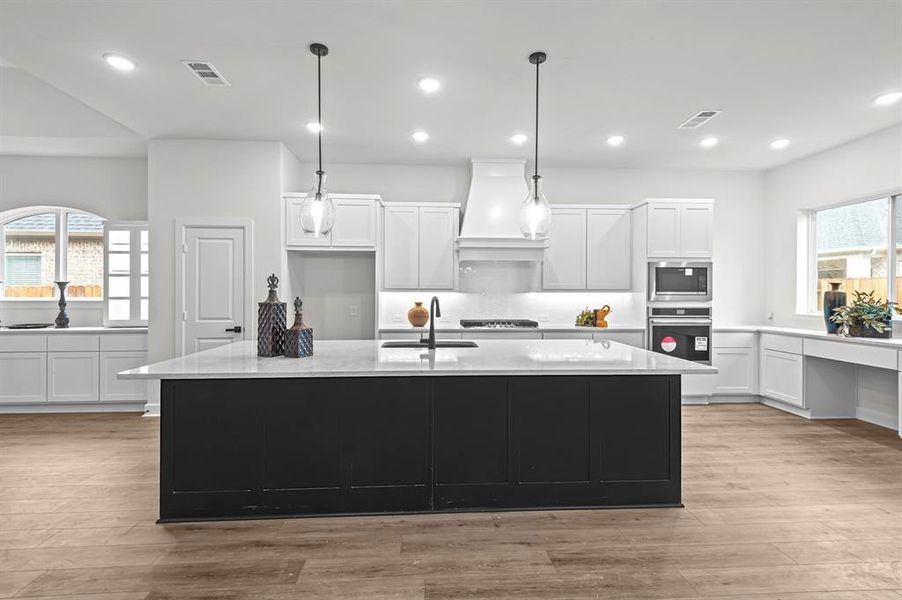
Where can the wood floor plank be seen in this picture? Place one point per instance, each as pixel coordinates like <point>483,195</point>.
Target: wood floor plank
<point>777,508</point>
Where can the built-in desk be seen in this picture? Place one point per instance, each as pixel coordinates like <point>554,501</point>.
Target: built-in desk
<point>823,376</point>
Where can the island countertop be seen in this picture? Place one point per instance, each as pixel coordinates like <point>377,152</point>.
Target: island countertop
<point>365,358</point>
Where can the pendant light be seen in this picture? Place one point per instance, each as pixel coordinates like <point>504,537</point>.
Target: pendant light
<point>535,216</point>
<point>317,210</point>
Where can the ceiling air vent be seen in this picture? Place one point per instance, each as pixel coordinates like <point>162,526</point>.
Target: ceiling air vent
<point>699,119</point>
<point>205,72</point>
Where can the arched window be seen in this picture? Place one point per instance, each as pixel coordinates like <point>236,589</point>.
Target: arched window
<point>45,244</point>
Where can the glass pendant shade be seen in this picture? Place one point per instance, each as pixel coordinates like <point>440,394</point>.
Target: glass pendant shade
<point>535,216</point>
<point>317,209</point>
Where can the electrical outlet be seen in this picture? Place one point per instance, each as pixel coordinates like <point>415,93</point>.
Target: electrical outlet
<point>353,310</point>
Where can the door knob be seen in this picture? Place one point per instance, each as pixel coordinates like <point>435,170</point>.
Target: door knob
<point>235,329</point>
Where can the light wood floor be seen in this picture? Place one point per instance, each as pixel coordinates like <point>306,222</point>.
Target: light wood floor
<point>777,507</point>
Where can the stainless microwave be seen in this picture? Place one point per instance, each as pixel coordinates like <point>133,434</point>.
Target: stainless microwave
<point>679,282</point>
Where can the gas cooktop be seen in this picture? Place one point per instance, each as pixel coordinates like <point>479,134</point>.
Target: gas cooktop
<point>498,323</point>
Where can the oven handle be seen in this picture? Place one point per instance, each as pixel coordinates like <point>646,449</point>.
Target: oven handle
<point>679,321</point>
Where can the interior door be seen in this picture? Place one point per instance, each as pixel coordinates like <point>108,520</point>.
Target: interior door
<point>214,280</point>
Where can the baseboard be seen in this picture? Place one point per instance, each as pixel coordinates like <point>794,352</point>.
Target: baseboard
<point>104,407</point>
<point>151,410</point>
<point>735,399</point>
<point>802,412</point>
<point>694,400</point>
<point>876,417</point>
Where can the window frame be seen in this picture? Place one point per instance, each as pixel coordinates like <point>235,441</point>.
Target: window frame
<point>807,303</point>
<point>61,239</point>
<point>135,228</point>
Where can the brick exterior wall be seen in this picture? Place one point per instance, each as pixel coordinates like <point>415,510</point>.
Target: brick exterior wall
<point>84,264</point>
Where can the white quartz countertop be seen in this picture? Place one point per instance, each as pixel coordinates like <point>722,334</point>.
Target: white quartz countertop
<point>55,331</point>
<point>365,358</point>
<point>452,328</point>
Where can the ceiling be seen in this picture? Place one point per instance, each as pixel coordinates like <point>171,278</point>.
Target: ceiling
<point>807,71</point>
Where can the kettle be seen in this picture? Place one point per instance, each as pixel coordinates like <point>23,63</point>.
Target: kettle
<point>600,314</point>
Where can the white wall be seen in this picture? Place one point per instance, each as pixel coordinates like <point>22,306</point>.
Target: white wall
<point>114,188</point>
<point>863,167</point>
<point>739,215</point>
<point>209,178</point>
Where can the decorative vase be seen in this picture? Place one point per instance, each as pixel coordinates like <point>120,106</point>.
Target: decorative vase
<point>299,339</point>
<point>601,316</point>
<point>62,319</point>
<point>418,315</point>
<point>272,319</point>
<point>833,298</point>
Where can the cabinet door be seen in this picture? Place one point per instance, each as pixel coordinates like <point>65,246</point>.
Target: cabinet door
<point>564,267</point>
<point>736,370</point>
<point>113,389</point>
<point>294,233</point>
<point>696,230</point>
<point>73,376</point>
<point>401,247</point>
<point>355,223</point>
<point>436,248</point>
<point>663,230</point>
<point>608,249</point>
<point>23,377</point>
<point>782,376</point>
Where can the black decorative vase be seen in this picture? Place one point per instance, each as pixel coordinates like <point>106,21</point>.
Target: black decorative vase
<point>62,319</point>
<point>833,298</point>
<point>299,339</point>
<point>272,319</point>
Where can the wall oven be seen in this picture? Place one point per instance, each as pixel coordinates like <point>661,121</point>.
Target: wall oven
<point>683,332</point>
<point>679,282</point>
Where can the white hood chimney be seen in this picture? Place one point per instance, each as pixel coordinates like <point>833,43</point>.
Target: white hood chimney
<point>491,221</point>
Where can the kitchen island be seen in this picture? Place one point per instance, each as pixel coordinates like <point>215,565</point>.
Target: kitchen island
<point>358,428</point>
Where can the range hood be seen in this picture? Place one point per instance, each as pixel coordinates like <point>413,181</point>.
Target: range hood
<point>491,222</point>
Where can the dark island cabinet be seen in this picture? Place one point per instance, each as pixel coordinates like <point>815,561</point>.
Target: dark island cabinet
<point>306,446</point>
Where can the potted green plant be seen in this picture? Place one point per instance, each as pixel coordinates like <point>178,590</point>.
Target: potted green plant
<point>866,316</point>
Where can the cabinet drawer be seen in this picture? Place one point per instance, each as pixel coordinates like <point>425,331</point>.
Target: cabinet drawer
<point>567,335</point>
<point>415,335</point>
<point>732,339</point>
<point>73,342</point>
<point>23,342</point>
<point>882,358</point>
<point>783,343</point>
<point>123,342</point>
<point>503,335</point>
<point>630,338</point>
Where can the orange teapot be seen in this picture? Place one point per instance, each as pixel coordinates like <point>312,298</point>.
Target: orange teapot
<point>600,314</point>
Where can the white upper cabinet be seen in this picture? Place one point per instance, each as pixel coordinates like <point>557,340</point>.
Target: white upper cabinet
<point>401,247</point>
<point>680,229</point>
<point>696,230</point>
<point>355,223</point>
<point>354,228</point>
<point>564,267</point>
<point>608,249</point>
<point>589,249</point>
<point>418,246</point>
<point>438,228</point>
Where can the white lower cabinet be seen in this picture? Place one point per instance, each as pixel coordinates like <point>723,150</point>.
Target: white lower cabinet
<point>630,338</point>
<point>113,389</point>
<point>782,376</point>
<point>23,377</point>
<point>73,376</point>
<point>735,370</point>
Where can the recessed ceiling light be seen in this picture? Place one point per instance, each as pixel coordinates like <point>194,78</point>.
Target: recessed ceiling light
<point>419,136</point>
<point>429,84</point>
<point>615,140</point>
<point>708,142</point>
<point>779,144</point>
<point>890,98</point>
<point>119,62</point>
<point>314,127</point>
<point>519,138</point>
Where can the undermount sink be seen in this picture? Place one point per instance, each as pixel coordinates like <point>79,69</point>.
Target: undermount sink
<point>423,344</point>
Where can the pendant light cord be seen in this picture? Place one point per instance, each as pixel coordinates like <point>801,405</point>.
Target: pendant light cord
<point>319,107</point>
<point>536,162</point>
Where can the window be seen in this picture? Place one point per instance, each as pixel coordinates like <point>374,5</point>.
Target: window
<point>849,245</point>
<point>127,252</point>
<point>84,255</point>
<point>30,252</point>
